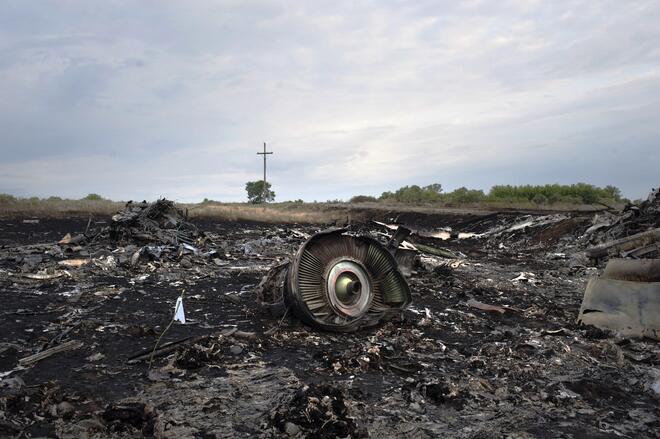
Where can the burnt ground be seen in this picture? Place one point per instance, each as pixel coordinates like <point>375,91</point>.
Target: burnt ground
<point>443,368</point>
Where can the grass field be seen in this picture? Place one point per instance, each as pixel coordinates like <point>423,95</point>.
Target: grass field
<point>272,213</point>
<point>286,212</point>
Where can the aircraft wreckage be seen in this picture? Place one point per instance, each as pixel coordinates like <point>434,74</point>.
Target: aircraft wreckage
<point>491,347</point>
<point>339,281</point>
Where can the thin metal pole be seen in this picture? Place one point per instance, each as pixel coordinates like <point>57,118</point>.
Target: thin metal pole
<point>263,191</point>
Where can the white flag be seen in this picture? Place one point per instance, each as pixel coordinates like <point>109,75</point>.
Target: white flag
<point>179,313</point>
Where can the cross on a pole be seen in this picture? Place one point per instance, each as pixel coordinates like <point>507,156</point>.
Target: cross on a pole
<point>263,193</point>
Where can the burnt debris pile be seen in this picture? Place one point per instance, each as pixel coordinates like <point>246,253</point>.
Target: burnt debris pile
<point>633,232</point>
<point>634,218</point>
<point>317,411</point>
<point>160,222</point>
<point>152,238</point>
<point>626,296</point>
<point>483,340</point>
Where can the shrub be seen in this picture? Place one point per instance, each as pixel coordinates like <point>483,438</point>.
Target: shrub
<point>540,199</point>
<point>552,193</point>
<point>363,199</point>
<point>93,197</point>
<point>579,193</point>
<point>414,194</point>
<point>465,195</point>
<point>7,199</point>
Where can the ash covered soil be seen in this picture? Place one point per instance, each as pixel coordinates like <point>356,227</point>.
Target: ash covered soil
<point>524,369</point>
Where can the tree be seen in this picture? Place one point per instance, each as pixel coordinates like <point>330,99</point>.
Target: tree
<point>540,199</point>
<point>255,192</point>
<point>93,197</point>
<point>363,199</point>
<point>7,199</point>
<point>415,194</point>
<point>612,192</point>
<point>433,188</point>
<point>464,195</point>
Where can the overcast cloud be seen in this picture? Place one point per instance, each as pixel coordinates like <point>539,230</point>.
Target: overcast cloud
<point>137,100</point>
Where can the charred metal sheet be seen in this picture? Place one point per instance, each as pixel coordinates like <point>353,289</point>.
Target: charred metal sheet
<point>646,270</point>
<point>400,234</point>
<point>626,298</point>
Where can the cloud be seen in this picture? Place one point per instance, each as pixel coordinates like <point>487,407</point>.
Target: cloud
<point>134,100</point>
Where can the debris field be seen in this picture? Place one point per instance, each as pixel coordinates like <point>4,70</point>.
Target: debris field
<point>489,348</point>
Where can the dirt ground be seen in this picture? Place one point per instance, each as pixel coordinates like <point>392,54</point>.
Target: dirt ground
<point>443,368</point>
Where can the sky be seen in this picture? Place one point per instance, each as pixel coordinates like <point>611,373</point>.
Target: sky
<point>147,99</point>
